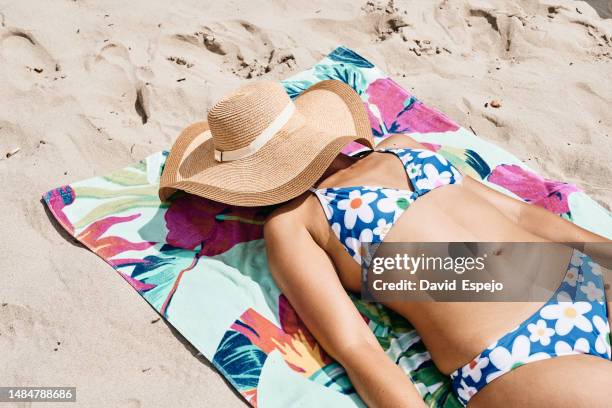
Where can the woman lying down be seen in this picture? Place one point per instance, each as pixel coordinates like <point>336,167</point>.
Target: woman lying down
<point>260,148</point>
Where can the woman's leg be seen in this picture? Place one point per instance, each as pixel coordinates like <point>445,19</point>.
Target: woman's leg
<point>569,381</point>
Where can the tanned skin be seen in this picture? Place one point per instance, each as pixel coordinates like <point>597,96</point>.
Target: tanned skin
<point>314,271</point>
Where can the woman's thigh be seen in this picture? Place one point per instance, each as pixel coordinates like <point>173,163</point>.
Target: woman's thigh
<point>569,381</point>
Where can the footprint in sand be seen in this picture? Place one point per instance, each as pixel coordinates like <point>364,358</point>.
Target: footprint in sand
<point>391,21</point>
<point>385,20</point>
<point>11,137</point>
<point>242,48</point>
<point>24,61</point>
<point>114,77</point>
<point>19,322</point>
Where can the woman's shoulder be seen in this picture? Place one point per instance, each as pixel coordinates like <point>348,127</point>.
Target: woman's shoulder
<point>302,212</point>
<point>295,212</point>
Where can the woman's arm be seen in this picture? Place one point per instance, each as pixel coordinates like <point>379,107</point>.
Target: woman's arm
<point>306,275</point>
<point>532,218</point>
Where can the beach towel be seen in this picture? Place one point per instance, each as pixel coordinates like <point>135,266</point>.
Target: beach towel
<point>202,265</point>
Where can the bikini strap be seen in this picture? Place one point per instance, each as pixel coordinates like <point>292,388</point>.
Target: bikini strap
<point>323,200</point>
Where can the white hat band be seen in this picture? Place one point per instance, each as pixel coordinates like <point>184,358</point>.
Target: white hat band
<point>268,133</point>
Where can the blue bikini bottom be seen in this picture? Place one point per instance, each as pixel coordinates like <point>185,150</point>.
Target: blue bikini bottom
<point>573,321</point>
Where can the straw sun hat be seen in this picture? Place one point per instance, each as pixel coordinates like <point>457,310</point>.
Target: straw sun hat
<point>260,148</point>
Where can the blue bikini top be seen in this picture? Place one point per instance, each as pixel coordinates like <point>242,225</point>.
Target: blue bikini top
<point>365,214</point>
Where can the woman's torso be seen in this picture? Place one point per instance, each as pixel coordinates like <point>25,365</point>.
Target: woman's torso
<point>453,332</point>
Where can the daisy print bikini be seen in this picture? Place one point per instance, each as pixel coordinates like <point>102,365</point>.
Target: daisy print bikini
<point>573,321</point>
<point>366,214</point>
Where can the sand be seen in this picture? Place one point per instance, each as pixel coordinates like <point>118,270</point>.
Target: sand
<point>603,7</point>
<point>87,87</point>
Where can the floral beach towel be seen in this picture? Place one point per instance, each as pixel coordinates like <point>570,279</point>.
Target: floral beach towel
<point>202,265</point>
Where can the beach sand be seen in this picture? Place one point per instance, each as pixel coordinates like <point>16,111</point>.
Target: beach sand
<point>603,7</point>
<point>87,87</point>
